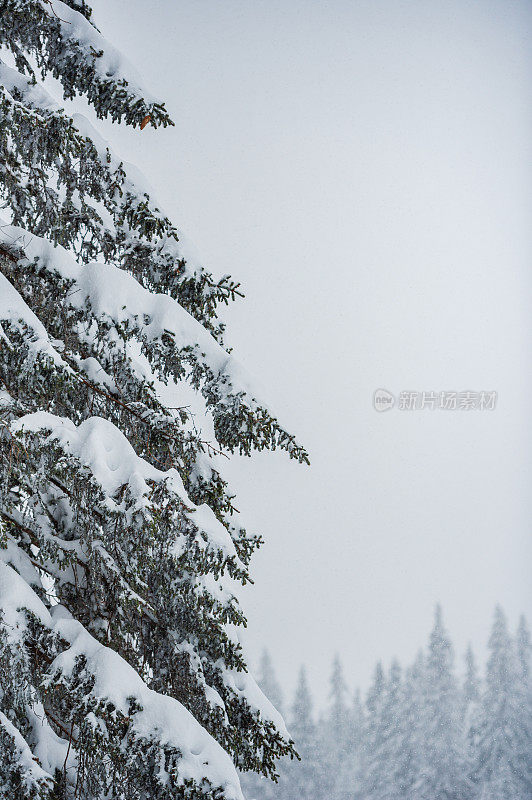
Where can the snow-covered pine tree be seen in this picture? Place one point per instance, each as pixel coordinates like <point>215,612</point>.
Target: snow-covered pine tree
<point>370,768</point>
<point>443,775</point>
<point>411,729</point>
<point>121,674</point>
<point>390,739</point>
<point>385,732</point>
<point>503,769</point>
<point>349,777</point>
<point>471,689</point>
<point>338,712</point>
<point>524,688</point>
<point>335,728</point>
<point>303,779</point>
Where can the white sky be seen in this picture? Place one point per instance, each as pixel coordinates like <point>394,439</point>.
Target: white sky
<point>364,168</point>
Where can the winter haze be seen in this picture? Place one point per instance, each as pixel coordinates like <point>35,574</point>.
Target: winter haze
<point>364,168</point>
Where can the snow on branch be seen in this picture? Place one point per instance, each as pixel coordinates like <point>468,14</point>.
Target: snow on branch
<point>66,45</point>
<point>14,310</point>
<point>109,682</point>
<point>113,463</point>
<point>171,339</point>
<point>92,201</point>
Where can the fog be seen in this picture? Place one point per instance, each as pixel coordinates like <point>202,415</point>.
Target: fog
<point>364,169</point>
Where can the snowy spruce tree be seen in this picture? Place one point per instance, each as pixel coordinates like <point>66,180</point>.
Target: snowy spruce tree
<point>411,731</point>
<point>370,767</point>
<point>303,779</point>
<point>349,776</point>
<point>443,775</point>
<point>471,692</point>
<point>121,551</point>
<point>524,690</point>
<point>389,741</point>
<point>337,717</point>
<point>503,761</point>
<point>335,729</point>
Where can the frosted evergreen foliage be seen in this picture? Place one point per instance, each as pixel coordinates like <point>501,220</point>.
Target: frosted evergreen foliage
<point>121,551</point>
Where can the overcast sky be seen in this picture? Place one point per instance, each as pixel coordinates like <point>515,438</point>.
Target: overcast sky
<point>364,168</point>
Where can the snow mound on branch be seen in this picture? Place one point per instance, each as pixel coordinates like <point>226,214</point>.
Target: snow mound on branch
<point>114,293</point>
<point>15,595</point>
<point>34,94</point>
<point>111,64</point>
<point>14,310</point>
<point>33,774</point>
<point>102,447</point>
<point>244,685</point>
<point>162,717</point>
<point>134,183</point>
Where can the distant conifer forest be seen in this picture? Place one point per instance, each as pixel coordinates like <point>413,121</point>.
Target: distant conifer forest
<point>434,730</point>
